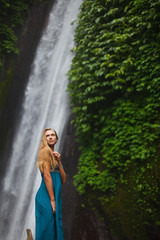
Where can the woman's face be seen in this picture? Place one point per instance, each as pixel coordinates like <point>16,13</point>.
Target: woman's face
<point>51,137</point>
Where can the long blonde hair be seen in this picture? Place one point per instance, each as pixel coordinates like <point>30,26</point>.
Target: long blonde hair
<point>45,154</point>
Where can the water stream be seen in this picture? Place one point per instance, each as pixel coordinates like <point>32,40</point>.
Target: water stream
<point>45,105</point>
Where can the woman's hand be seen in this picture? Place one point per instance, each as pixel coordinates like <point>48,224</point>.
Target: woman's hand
<point>58,157</point>
<point>53,204</point>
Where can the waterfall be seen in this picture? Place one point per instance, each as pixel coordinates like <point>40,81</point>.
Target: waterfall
<point>45,105</point>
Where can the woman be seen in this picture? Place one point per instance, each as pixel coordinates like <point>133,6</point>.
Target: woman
<point>48,202</point>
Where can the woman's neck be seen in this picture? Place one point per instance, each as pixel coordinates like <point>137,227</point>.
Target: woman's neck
<point>52,148</point>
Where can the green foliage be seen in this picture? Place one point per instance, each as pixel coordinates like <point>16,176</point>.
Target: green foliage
<point>136,203</point>
<point>114,91</point>
<point>11,16</point>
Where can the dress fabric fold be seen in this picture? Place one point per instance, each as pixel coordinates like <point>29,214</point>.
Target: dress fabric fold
<point>49,225</point>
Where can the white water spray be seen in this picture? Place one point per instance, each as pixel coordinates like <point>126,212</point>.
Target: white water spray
<point>45,105</point>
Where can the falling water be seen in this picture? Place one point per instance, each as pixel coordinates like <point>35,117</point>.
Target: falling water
<point>45,105</point>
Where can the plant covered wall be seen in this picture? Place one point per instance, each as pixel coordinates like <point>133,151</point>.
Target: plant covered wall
<point>115,96</point>
<point>11,16</point>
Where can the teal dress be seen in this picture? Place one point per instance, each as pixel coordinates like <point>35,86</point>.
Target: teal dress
<point>49,225</point>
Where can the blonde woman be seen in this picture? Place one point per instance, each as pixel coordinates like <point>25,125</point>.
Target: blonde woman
<point>48,202</point>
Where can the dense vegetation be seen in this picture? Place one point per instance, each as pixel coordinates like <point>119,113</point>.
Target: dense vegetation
<point>115,95</point>
<point>11,16</point>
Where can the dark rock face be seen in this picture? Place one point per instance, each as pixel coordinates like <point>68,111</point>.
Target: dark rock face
<point>28,38</point>
<point>88,226</point>
<point>79,223</point>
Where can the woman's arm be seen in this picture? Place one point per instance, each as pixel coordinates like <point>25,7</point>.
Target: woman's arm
<point>61,170</point>
<point>62,173</point>
<point>49,185</point>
